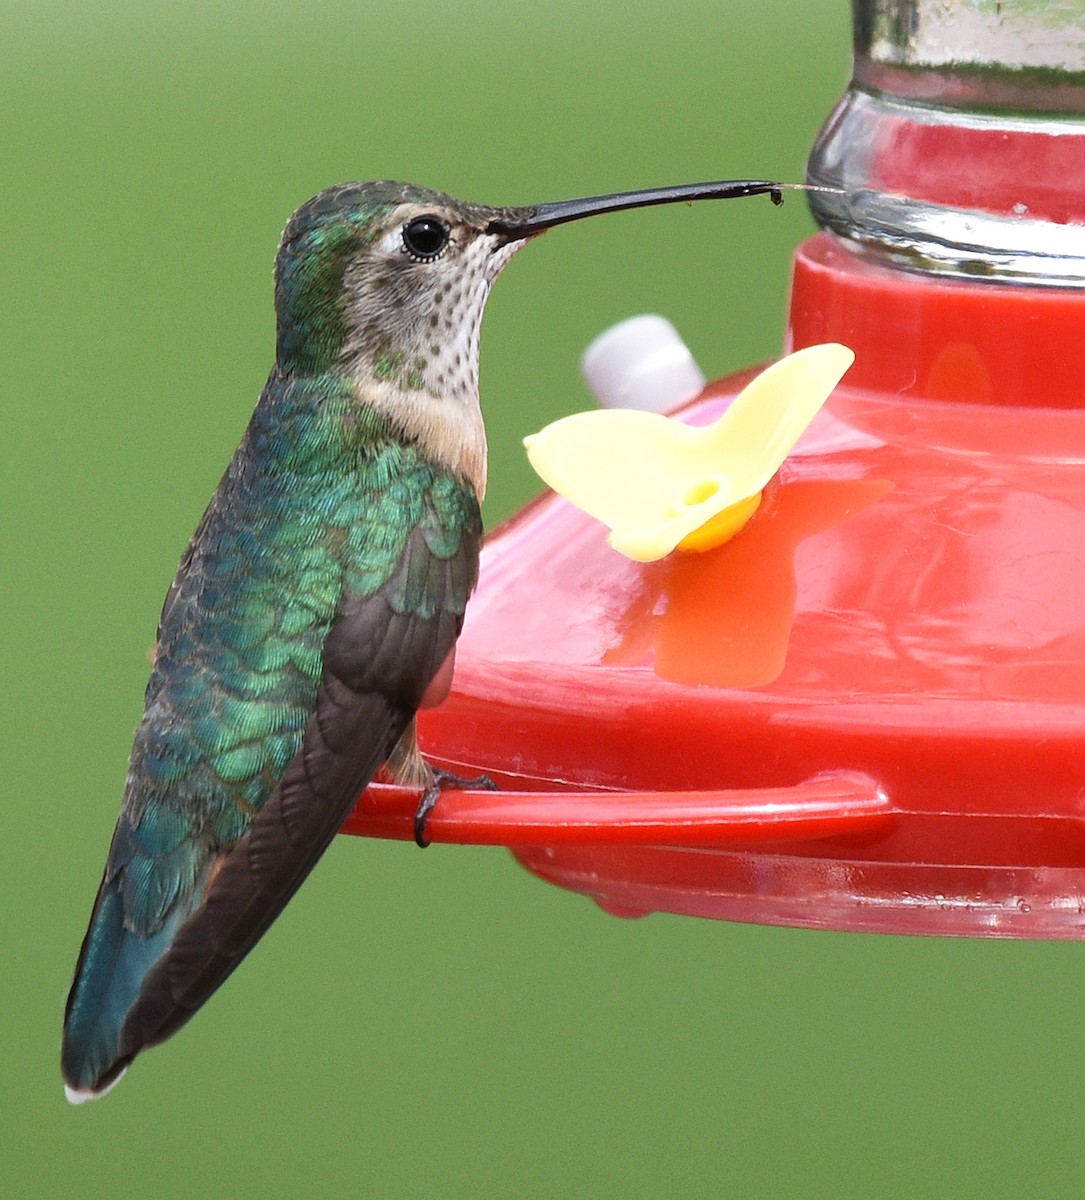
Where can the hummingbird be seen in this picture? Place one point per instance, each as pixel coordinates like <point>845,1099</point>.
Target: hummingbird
<point>317,606</point>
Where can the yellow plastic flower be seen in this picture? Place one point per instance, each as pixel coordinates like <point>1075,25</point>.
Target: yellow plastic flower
<point>659,483</point>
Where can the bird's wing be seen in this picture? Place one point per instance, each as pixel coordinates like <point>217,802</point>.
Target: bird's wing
<point>358,719</point>
<point>380,653</point>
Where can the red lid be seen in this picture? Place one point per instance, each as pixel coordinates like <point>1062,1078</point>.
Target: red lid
<point>867,711</point>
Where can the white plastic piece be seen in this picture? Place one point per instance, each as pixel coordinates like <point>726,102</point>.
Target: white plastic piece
<point>641,363</point>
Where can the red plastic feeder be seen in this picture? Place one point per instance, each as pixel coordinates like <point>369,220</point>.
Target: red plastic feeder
<point>864,712</point>
<point>867,710</point>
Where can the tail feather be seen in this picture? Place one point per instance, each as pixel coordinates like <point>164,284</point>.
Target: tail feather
<point>109,976</point>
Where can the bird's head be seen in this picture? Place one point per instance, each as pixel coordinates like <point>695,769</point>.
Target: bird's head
<point>386,283</point>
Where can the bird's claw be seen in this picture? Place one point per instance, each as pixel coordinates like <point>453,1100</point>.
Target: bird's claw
<point>443,779</point>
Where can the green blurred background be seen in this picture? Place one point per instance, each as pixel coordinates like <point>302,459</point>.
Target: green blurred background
<point>438,1024</point>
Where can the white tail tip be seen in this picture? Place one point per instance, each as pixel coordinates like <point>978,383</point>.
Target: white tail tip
<point>82,1095</point>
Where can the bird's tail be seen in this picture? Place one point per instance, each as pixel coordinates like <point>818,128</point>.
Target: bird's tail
<point>108,977</point>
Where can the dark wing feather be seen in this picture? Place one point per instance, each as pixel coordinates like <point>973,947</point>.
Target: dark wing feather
<point>377,663</point>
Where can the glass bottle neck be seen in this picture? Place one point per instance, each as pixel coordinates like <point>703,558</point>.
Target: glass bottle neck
<point>959,145</point>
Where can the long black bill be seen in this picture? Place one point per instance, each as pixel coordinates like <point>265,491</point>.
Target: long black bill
<point>517,223</point>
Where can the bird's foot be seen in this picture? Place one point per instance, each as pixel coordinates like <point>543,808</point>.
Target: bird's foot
<point>443,779</point>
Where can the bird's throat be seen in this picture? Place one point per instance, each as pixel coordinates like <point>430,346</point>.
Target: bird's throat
<point>448,430</point>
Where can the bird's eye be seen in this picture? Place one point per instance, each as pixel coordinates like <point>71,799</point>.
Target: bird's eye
<point>424,238</point>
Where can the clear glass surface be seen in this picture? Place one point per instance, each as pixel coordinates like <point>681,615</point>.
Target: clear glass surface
<point>959,146</point>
